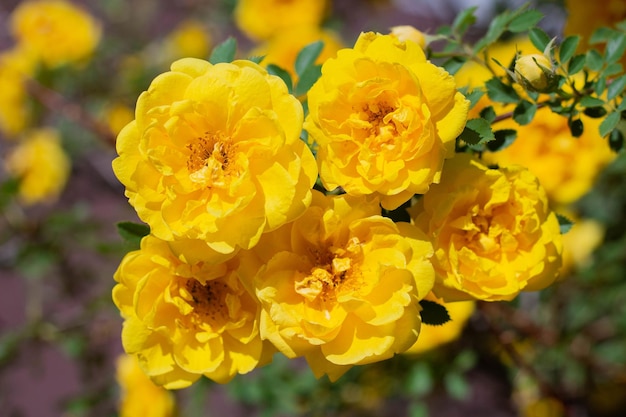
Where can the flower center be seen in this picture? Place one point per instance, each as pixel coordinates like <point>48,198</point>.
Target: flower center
<point>207,300</point>
<point>210,157</point>
<point>382,129</point>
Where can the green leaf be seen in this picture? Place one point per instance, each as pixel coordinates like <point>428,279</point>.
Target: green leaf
<point>307,57</point>
<point>456,385</point>
<point>503,139</point>
<point>615,47</point>
<point>589,101</point>
<point>525,21</point>
<point>420,379</point>
<point>565,223</point>
<point>609,123</point>
<point>464,20</point>
<point>524,112</point>
<point>576,127</point>
<point>616,87</point>
<point>477,131</point>
<point>594,60</point>
<point>224,52</point>
<point>595,112</point>
<point>500,92</point>
<point>616,140</point>
<point>307,79</point>
<point>132,233</point>
<point>474,96</point>
<point>576,64</point>
<point>282,74</point>
<point>602,34</point>
<point>256,58</point>
<point>453,65</point>
<point>418,410</point>
<point>433,314</point>
<point>539,38</point>
<point>600,85</point>
<point>568,47</point>
<point>488,113</point>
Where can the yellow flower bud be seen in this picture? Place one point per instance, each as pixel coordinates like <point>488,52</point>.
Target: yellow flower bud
<point>535,72</point>
<point>409,33</point>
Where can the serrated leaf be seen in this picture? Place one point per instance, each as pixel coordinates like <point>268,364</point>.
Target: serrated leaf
<point>568,48</point>
<point>576,64</point>
<point>609,123</point>
<point>589,101</point>
<point>132,233</point>
<point>503,139</point>
<point>616,140</point>
<point>477,131</point>
<point>500,92</point>
<point>594,60</point>
<point>474,96</point>
<point>282,74</point>
<point>616,87</point>
<point>524,112</point>
<point>307,56</point>
<point>464,20</point>
<point>433,314</point>
<point>576,127</point>
<point>565,224</point>
<point>224,52</point>
<point>525,20</point>
<point>539,38</point>
<point>307,79</point>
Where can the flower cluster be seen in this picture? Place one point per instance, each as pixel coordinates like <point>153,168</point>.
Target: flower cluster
<point>245,258</point>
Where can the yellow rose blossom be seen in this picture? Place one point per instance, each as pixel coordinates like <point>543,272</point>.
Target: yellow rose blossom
<point>263,19</point>
<point>214,154</point>
<point>118,115</point>
<point>189,39</point>
<point>566,166</point>
<point>16,65</point>
<point>41,166</point>
<point>580,242</point>
<point>283,48</point>
<point>341,285</point>
<point>492,232</point>
<point>408,33</point>
<point>383,119</point>
<point>57,31</point>
<point>432,336</point>
<point>184,318</point>
<point>140,397</point>
<point>535,72</point>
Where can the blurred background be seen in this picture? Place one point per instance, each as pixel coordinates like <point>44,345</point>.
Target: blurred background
<point>560,352</point>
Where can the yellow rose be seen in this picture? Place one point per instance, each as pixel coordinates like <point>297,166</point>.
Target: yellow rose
<point>58,32</point>
<point>492,232</point>
<point>184,318</point>
<point>384,118</point>
<point>566,166</point>
<point>136,388</point>
<point>262,19</point>
<point>41,166</point>
<point>16,65</point>
<point>283,48</point>
<point>189,39</point>
<point>535,72</point>
<point>214,154</point>
<point>341,285</point>
<point>580,242</point>
<point>408,33</point>
<point>432,336</point>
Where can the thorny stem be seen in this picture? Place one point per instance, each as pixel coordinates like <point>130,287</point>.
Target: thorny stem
<point>74,112</point>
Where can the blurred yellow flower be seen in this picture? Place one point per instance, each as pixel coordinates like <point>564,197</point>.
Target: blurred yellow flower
<point>189,39</point>
<point>432,336</point>
<point>140,397</point>
<point>579,243</point>
<point>384,118</point>
<point>341,285</point>
<point>566,166</point>
<point>263,19</point>
<point>214,154</point>
<point>185,318</point>
<point>57,31</point>
<point>118,115</point>
<point>283,48</point>
<point>492,232</point>
<point>41,166</point>
<point>16,65</point>
<point>408,33</point>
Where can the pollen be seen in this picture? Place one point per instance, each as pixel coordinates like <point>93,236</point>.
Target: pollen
<point>210,150</point>
<point>207,300</point>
